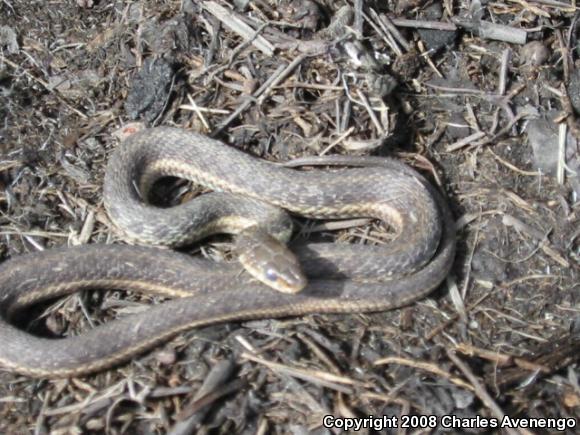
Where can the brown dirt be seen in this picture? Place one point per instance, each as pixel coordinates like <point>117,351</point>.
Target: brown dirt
<point>502,336</point>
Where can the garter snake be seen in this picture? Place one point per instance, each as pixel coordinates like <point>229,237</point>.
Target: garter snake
<point>342,277</point>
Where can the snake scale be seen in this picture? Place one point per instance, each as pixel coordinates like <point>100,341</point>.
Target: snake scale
<point>342,278</point>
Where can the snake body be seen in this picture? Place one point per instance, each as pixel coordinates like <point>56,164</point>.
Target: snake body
<point>342,277</point>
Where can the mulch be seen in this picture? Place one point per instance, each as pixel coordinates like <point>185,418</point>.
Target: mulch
<point>482,99</point>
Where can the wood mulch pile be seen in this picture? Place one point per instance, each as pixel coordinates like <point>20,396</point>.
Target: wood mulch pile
<point>483,97</point>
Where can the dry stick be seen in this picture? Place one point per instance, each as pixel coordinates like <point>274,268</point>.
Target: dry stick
<point>335,382</point>
<point>566,59</point>
<point>469,262</point>
<point>236,25</point>
<point>542,238</point>
<point>502,85</point>
<point>322,356</point>
<point>425,366</point>
<point>503,131</point>
<point>465,141</point>
<point>208,399</point>
<point>531,8</point>
<point>45,85</point>
<point>522,227</point>
<point>569,111</point>
<point>195,109</point>
<point>438,329</point>
<point>565,50</point>
<point>572,30</point>
<point>416,24</point>
<point>233,55</point>
<point>499,100</point>
<point>371,112</point>
<point>337,141</point>
<point>390,26</point>
<point>358,17</point>
<point>498,32</point>
<point>275,79</point>
<point>214,386</point>
<point>268,86</point>
<point>452,319</point>
<point>448,7</point>
<point>513,167</point>
<point>425,54</point>
<point>505,58</point>
<point>552,3</point>
<point>338,27</point>
<point>453,91</point>
<point>471,118</point>
<point>381,30</point>
<point>480,391</point>
<point>500,359</point>
<point>562,130</point>
<point>337,115</point>
<point>43,415</point>
<point>346,114</point>
<point>495,123</point>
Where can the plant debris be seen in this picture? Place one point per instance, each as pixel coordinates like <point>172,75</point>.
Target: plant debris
<point>481,96</point>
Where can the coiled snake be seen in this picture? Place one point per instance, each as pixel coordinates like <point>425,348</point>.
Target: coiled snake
<point>341,277</point>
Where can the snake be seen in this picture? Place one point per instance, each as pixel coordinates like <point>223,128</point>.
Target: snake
<point>340,277</point>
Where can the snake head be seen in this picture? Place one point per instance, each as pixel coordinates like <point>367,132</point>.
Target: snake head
<point>270,262</point>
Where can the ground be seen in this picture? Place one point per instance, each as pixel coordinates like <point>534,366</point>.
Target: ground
<point>483,104</point>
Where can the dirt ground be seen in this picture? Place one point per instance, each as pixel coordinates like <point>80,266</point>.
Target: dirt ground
<point>482,102</point>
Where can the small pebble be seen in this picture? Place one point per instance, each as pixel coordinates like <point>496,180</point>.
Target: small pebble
<point>534,53</point>
<point>166,357</point>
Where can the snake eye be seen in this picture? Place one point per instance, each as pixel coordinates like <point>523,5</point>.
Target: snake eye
<point>271,275</point>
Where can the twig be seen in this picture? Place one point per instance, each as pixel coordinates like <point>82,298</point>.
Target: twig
<point>425,54</point>
<point>504,130</point>
<point>277,79</point>
<point>438,329</point>
<point>531,8</point>
<point>513,167</point>
<point>193,106</point>
<point>213,388</point>
<point>329,380</point>
<point>236,25</point>
<point>45,85</point>
<point>337,141</point>
<point>500,359</point>
<point>418,24</point>
<point>370,111</point>
<point>505,58</point>
<point>479,389</point>
<point>274,80</point>
<point>387,37</point>
<point>390,26</point>
<point>427,367</point>
<point>465,141</point>
<point>562,130</point>
<point>498,32</point>
<point>358,16</point>
<point>554,4</point>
